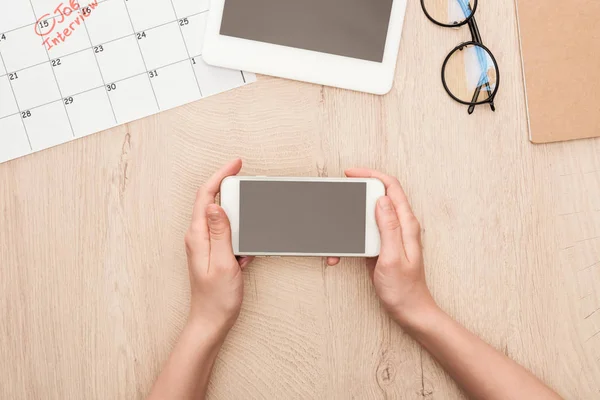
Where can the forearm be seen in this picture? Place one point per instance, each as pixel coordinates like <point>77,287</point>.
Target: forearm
<point>186,373</point>
<point>481,371</point>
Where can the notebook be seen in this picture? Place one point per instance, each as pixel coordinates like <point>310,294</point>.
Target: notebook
<point>560,46</point>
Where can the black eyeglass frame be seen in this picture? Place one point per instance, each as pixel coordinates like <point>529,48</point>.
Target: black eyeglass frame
<point>475,41</point>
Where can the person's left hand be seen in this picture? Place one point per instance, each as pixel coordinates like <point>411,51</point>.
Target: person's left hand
<point>217,285</point>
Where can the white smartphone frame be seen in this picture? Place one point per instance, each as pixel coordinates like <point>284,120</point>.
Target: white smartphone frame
<point>230,201</point>
<point>305,65</point>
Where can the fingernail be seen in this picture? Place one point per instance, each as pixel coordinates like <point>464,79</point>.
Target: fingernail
<point>244,261</point>
<point>385,203</point>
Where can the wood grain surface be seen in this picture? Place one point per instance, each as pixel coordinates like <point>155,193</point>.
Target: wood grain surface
<point>93,282</point>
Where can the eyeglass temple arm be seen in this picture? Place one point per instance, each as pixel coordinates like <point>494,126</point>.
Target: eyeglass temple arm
<point>476,95</point>
<point>476,37</point>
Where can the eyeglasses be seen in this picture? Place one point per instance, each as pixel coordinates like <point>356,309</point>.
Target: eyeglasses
<point>470,72</point>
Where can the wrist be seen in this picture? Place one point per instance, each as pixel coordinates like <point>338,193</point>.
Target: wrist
<point>205,333</point>
<point>416,318</point>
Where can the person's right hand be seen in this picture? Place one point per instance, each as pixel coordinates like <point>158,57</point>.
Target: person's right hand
<point>398,274</point>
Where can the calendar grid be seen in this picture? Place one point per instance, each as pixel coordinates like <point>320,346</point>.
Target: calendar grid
<point>100,87</point>
<point>103,86</point>
<point>185,44</point>
<point>47,19</point>
<point>55,80</point>
<point>190,58</point>
<point>109,41</point>
<point>53,101</point>
<point>18,108</point>
<point>142,54</point>
<point>100,2</point>
<point>87,33</point>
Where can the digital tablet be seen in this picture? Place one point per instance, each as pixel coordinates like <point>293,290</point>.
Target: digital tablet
<point>351,44</point>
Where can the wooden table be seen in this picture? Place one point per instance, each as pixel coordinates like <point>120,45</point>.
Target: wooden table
<point>93,281</point>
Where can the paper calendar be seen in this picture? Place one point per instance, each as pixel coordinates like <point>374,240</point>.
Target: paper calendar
<point>71,68</point>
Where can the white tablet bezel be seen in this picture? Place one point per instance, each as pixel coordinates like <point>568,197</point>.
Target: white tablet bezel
<point>304,65</point>
<point>230,201</point>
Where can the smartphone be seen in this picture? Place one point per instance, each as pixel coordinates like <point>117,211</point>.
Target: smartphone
<point>275,216</point>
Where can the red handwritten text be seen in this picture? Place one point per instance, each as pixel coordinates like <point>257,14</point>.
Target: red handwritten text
<point>58,28</point>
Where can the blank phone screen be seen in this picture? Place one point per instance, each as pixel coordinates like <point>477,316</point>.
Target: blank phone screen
<point>302,217</point>
<point>351,28</point>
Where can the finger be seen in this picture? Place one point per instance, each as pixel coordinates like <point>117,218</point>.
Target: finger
<point>331,261</point>
<point>207,192</point>
<point>221,249</point>
<point>244,261</point>
<point>411,230</point>
<point>390,231</point>
<point>392,186</point>
<point>198,236</point>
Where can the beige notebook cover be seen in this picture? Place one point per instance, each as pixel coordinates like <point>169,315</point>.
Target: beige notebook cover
<point>560,47</point>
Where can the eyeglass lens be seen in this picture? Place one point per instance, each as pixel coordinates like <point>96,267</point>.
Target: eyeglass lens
<point>470,74</point>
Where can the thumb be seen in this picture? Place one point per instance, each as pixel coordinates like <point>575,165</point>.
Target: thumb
<point>221,249</point>
<point>392,249</point>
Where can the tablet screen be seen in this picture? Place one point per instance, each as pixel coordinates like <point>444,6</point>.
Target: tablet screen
<point>351,28</point>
